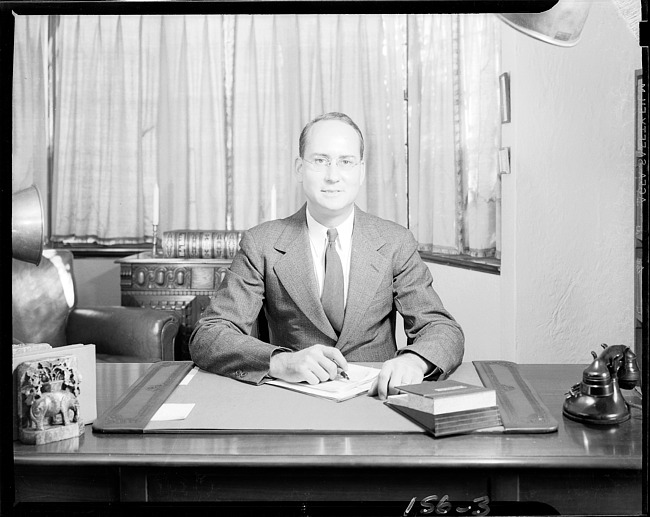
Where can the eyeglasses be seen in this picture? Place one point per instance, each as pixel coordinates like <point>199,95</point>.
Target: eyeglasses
<point>321,164</point>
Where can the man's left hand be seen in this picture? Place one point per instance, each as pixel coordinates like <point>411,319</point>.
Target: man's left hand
<point>407,368</point>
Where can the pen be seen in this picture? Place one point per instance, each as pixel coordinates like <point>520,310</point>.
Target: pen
<point>341,372</point>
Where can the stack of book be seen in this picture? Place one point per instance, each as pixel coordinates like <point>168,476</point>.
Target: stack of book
<point>201,244</point>
<point>447,407</point>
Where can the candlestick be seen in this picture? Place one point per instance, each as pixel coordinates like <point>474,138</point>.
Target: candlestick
<point>154,250</point>
<point>156,205</point>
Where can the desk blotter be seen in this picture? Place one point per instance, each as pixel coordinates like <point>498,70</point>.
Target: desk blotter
<point>133,411</point>
<point>227,405</point>
<point>521,409</point>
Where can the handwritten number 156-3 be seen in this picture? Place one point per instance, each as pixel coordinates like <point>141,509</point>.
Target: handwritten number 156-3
<point>431,505</point>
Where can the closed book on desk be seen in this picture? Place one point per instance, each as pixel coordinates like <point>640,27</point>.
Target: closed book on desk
<point>448,396</point>
<point>447,407</point>
<point>448,424</point>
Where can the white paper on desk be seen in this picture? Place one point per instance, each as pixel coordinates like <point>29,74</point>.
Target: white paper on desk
<point>360,380</point>
<point>190,375</point>
<point>169,411</point>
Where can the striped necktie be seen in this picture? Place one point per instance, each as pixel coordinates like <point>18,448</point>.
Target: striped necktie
<point>333,297</point>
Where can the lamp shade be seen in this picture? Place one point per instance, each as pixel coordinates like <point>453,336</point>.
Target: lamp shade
<point>27,225</point>
<point>561,25</point>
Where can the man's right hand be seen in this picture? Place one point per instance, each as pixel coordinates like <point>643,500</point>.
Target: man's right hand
<point>315,364</point>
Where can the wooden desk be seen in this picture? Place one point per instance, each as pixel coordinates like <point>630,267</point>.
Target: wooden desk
<point>576,470</point>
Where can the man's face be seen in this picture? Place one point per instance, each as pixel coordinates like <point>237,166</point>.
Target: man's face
<point>331,192</point>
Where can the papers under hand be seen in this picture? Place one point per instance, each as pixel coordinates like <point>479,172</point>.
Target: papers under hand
<point>339,389</point>
<point>343,375</point>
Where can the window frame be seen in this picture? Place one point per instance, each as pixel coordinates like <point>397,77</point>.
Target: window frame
<point>489,265</point>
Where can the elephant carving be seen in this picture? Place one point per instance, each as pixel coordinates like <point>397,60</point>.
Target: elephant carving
<point>47,405</point>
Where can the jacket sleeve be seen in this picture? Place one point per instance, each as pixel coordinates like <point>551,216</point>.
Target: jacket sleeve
<point>431,331</point>
<point>221,342</point>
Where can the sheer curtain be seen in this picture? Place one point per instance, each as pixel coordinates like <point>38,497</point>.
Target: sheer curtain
<point>210,109</point>
<point>29,104</point>
<point>191,130</point>
<point>101,171</point>
<point>289,69</point>
<point>454,132</point>
<point>235,91</point>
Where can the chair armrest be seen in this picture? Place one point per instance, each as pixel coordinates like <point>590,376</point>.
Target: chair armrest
<point>125,333</point>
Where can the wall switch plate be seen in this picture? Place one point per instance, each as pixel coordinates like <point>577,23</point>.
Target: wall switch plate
<point>504,160</point>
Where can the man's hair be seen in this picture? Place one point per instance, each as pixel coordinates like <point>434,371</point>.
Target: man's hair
<point>304,135</point>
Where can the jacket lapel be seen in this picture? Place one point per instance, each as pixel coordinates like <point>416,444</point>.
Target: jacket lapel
<point>367,268</point>
<point>295,270</point>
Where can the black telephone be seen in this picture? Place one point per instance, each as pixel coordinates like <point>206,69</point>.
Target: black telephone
<point>598,398</point>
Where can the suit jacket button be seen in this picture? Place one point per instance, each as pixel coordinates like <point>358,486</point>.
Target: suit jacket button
<point>239,373</point>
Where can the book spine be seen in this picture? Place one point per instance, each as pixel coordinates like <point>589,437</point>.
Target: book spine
<point>219,244</point>
<point>29,348</point>
<point>193,247</point>
<point>450,404</point>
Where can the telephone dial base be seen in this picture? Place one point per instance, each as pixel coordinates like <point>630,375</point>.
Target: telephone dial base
<point>598,398</point>
<point>591,410</point>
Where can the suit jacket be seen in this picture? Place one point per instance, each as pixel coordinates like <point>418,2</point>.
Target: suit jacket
<point>273,271</point>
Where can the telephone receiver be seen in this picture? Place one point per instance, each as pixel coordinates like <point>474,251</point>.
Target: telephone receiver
<point>598,398</point>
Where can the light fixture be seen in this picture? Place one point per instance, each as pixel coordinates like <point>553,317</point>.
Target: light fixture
<point>561,25</point>
<point>27,225</point>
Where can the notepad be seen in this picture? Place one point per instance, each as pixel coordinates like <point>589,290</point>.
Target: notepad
<point>338,389</point>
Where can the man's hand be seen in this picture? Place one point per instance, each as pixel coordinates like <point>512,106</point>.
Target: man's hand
<point>315,364</point>
<point>407,368</point>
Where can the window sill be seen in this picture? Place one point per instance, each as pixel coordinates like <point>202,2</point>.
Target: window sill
<point>484,265</point>
<point>97,251</point>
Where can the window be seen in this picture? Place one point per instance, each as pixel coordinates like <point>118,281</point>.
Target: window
<point>210,108</point>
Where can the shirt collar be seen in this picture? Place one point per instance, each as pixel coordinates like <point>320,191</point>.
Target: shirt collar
<point>318,232</point>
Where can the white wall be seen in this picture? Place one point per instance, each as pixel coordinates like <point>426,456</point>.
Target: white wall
<point>473,299</point>
<point>567,271</point>
<point>97,281</point>
<point>568,237</point>
<point>567,261</point>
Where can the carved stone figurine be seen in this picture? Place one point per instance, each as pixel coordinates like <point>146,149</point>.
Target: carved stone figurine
<point>48,407</point>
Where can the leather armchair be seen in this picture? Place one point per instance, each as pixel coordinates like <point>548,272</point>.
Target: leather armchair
<point>44,311</point>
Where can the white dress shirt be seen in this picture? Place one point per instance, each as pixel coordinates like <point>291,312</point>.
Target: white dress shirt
<point>343,245</point>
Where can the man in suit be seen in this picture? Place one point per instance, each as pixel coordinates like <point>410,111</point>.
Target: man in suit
<point>329,279</point>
